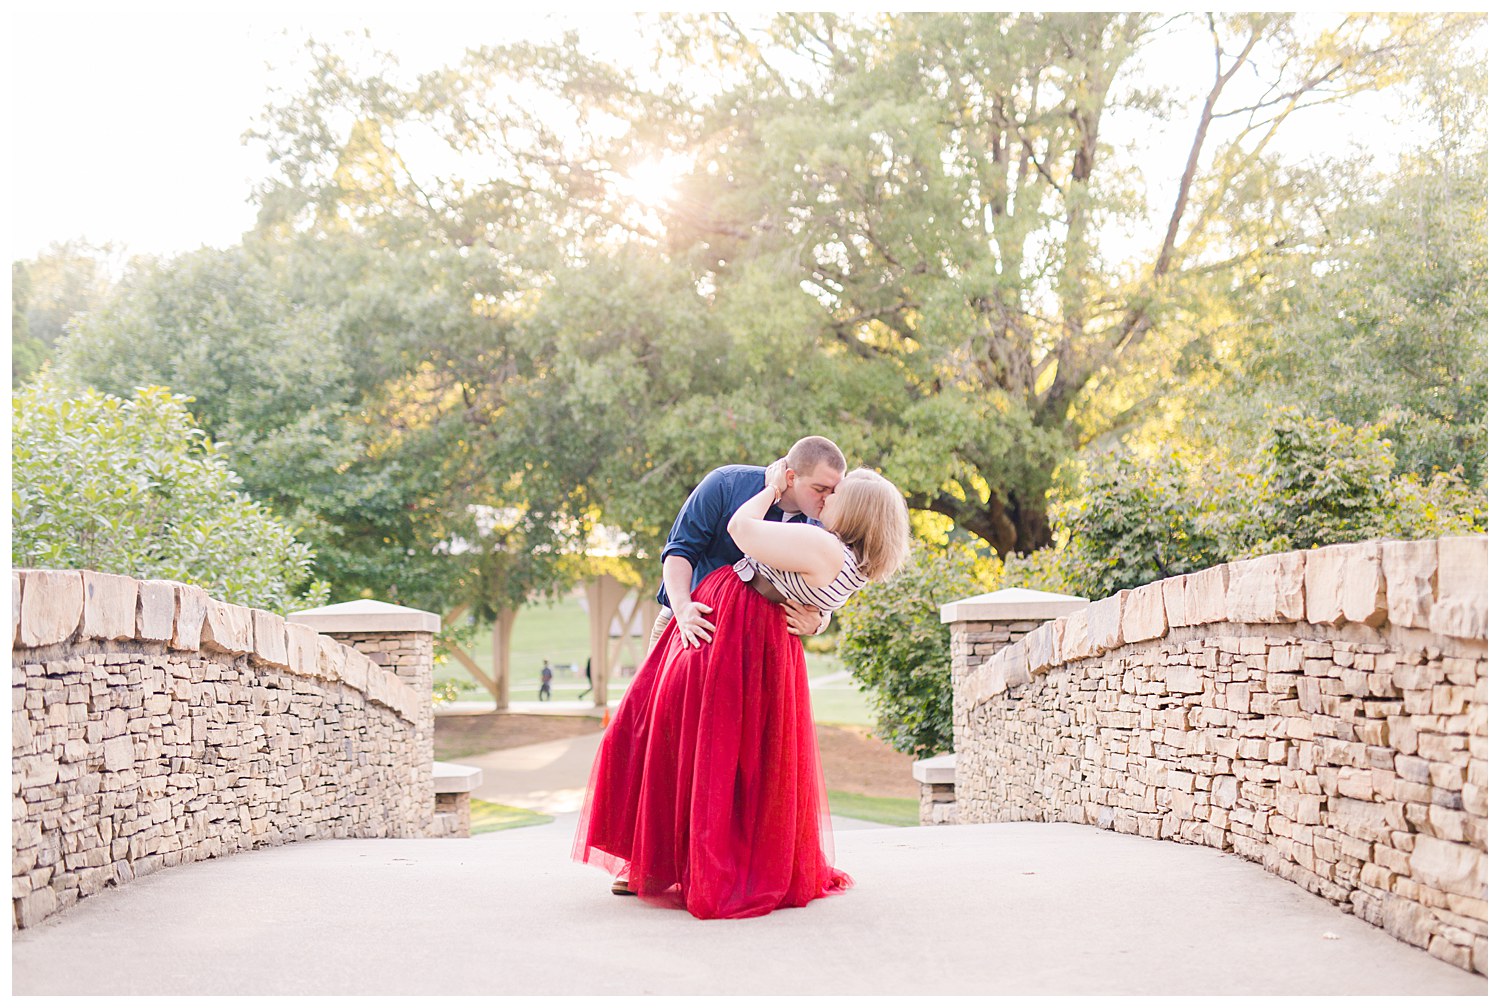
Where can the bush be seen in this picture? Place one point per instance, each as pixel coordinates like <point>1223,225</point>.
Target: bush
<point>130,486</point>
<point>1135,521</point>
<point>1311,482</point>
<point>895,647</point>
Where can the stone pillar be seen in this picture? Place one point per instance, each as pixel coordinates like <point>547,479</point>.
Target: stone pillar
<point>935,774</point>
<point>396,638</point>
<point>979,627</point>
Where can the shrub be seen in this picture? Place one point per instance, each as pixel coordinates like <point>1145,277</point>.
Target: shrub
<point>1311,482</point>
<point>130,486</point>
<point>1135,520</point>
<point>895,647</point>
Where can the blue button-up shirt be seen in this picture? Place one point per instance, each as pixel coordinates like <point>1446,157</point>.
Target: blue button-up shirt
<point>701,531</point>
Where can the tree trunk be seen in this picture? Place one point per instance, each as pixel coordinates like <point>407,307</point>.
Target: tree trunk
<point>505,622</point>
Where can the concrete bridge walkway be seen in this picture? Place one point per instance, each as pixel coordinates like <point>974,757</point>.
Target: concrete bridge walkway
<point>1017,908</point>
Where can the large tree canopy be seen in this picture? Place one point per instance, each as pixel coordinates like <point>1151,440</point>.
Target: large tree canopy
<point>931,230</point>
<point>463,329</point>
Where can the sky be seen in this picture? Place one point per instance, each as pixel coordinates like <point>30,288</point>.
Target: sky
<point>126,118</point>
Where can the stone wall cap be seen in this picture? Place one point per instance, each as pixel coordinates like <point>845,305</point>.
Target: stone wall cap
<point>1012,604</point>
<point>936,769</point>
<point>366,615</point>
<point>455,778</point>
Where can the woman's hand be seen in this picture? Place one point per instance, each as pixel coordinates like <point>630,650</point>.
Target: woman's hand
<point>776,478</point>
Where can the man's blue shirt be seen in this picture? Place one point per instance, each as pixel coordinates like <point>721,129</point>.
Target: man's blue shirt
<point>701,532</point>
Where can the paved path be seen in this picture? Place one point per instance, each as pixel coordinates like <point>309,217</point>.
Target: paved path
<point>997,909</point>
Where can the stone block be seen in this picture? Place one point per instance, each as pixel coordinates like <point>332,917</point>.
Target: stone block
<point>51,606</point>
<point>1411,570</point>
<point>1364,595</point>
<point>269,632</point>
<point>1226,790</point>
<point>331,658</point>
<point>1325,575</point>
<point>15,608</point>
<point>1145,614</point>
<point>1346,584</point>
<point>1012,667</point>
<point>109,604</point>
<point>192,614</point>
<point>377,683</point>
<point>1174,599</point>
<point>1206,596</point>
<point>1040,646</point>
<point>1462,605</point>
<point>302,649</point>
<point>1451,867</point>
<point>229,628</point>
<point>1183,679</point>
<point>35,907</point>
<point>1267,589</point>
<point>156,610</point>
<point>1104,619</point>
<point>119,753</point>
<point>354,668</point>
<point>1076,642</point>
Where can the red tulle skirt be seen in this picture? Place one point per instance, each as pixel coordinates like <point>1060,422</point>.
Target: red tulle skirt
<point>707,792</point>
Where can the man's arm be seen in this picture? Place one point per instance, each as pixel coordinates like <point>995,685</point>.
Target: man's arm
<point>677,577</point>
<point>691,537</point>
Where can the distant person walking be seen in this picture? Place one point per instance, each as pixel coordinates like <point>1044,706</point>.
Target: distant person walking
<point>545,693</point>
<point>588,673</point>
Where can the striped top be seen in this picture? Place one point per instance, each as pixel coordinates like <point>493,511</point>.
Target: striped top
<point>792,585</point>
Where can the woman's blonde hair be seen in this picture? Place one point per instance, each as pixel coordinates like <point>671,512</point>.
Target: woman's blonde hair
<point>872,518</point>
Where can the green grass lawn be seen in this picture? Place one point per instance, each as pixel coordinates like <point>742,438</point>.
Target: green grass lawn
<point>558,632</point>
<point>890,811</point>
<point>489,817</point>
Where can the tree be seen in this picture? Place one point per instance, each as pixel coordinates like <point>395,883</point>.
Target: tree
<point>1390,324</point>
<point>47,292</point>
<point>914,212</point>
<point>321,364</point>
<point>944,187</point>
<point>897,649</point>
<point>130,486</point>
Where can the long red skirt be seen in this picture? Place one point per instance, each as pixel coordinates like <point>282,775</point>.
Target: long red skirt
<point>707,791</point>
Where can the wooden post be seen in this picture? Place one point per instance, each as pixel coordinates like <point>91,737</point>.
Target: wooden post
<point>505,622</point>
<point>604,594</point>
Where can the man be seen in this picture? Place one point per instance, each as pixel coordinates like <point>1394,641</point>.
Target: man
<point>699,542</point>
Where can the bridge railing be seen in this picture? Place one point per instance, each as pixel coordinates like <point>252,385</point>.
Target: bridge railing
<point>153,725</point>
<point>1323,713</point>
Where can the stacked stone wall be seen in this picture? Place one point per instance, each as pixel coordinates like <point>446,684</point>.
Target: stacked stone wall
<point>1323,713</point>
<point>409,657</point>
<point>153,726</point>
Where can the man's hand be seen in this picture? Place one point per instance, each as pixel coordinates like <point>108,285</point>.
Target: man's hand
<point>692,626</point>
<point>803,620</point>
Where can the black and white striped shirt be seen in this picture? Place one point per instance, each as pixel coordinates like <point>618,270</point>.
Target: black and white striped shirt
<point>793,586</point>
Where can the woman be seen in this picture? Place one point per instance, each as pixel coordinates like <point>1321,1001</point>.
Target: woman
<point>707,792</point>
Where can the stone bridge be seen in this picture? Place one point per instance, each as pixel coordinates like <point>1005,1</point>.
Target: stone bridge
<point>1323,713</point>
<point>170,741</point>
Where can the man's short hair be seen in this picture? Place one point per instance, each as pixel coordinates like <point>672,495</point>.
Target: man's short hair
<point>811,452</point>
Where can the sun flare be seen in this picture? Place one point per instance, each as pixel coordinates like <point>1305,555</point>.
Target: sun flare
<point>653,183</point>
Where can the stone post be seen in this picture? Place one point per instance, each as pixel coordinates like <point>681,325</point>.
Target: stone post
<point>980,626</point>
<point>394,637</point>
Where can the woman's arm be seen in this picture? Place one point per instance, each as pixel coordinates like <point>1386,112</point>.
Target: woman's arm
<point>813,552</point>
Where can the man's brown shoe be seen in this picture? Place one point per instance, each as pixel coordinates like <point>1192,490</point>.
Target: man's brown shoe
<point>621,887</point>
